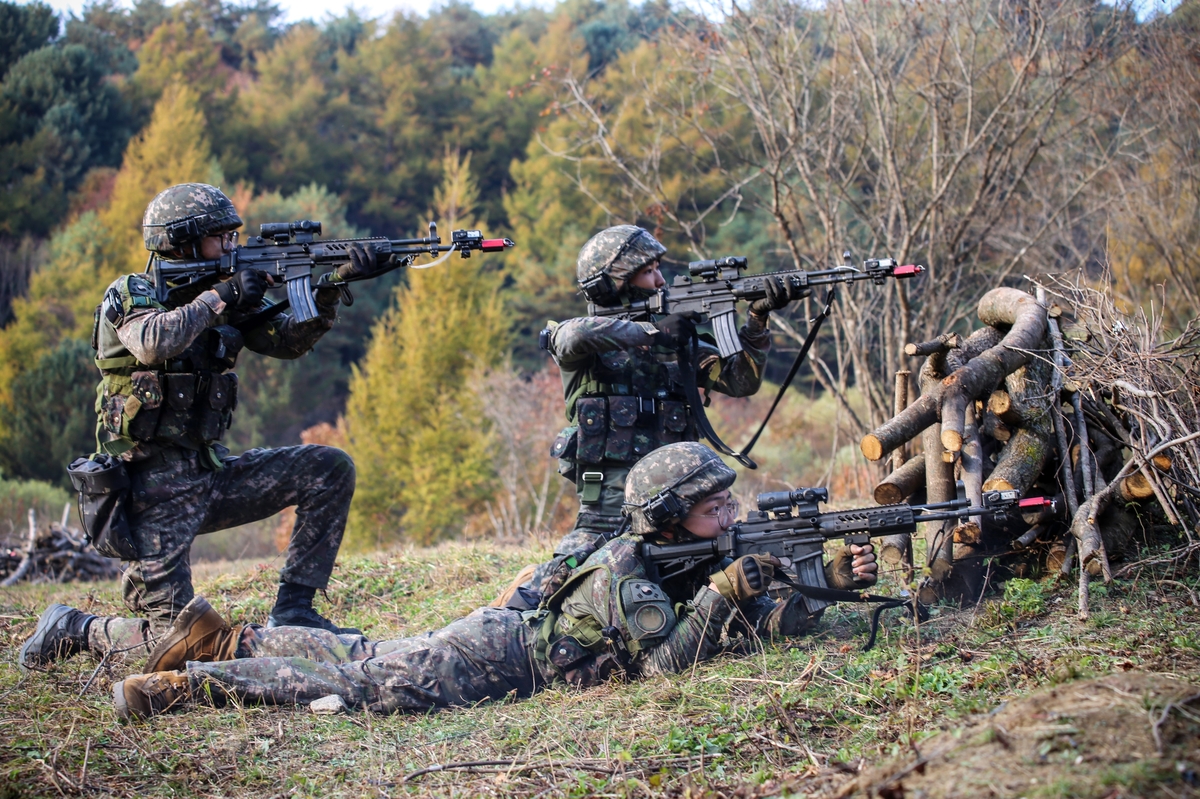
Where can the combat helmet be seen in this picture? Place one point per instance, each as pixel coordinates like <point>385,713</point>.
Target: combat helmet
<point>664,486</point>
<point>186,213</point>
<point>610,257</point>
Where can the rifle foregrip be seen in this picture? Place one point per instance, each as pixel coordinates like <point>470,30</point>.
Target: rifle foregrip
<point>875,522</point>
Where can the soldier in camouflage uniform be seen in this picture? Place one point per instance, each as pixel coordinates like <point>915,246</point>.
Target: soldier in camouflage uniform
<point>166,396</point>
<point>622,382</point>
<point>610,617</point>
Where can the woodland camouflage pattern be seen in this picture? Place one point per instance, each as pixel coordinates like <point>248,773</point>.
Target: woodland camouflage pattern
<point>212,210</point>
<point>620,250</point>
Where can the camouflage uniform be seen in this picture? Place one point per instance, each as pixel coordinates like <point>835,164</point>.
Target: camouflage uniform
<point>166,396</point>
<point>625,396</point>
<point>609,618</point>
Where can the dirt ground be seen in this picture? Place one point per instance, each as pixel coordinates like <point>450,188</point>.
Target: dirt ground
<point>1123,735</point>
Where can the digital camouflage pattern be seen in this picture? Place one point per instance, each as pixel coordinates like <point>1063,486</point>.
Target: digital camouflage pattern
<point>207,206</point>
<point>492,653</point>
<point>689,470</point>
<point>486,655</point>
<point>174,502</point>
<point>620,251</point>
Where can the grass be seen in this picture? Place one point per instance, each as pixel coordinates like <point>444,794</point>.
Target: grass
<point>794,719</point>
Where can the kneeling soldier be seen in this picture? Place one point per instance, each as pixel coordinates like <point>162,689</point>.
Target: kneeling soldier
<point>167,394</point>
<point>608,618</point>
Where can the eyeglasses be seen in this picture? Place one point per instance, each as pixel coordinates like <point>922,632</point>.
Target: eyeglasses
<point>724,514</point>
<point>229,240</point>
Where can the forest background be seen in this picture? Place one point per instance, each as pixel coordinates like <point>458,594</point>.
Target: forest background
<point>989,140</point>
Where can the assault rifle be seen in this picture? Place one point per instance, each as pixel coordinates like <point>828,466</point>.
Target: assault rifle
<point>712,288</point>
<point>288,253</point>
<point>791,526</point>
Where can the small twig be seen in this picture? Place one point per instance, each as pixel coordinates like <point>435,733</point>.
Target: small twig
<point>1162,719</point>
<point>1191,593</point>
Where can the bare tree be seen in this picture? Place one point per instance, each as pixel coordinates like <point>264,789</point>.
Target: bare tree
<point>963,134</point>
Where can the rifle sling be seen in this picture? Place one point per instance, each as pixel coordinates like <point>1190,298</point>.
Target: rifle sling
<point>689,366</point>
<point>787,381</point>
<point>839,595</point>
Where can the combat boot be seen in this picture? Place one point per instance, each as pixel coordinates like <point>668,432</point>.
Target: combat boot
<point>146,695</point>
<point>293,608</point>
<point>61,632</point>
<point>199,633</point>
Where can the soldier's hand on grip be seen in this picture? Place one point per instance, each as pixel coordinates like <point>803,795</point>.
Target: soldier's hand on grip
<point>364,262</point>
<point>244,290</point>
<point>779,293</point>
<point>747,577</point>
<point>676,330</point>
<point>852,568</point>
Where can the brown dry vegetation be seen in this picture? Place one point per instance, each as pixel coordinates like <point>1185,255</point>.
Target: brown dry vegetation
<point>802,719</point>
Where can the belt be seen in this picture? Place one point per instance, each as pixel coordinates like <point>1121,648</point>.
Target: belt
<point>160,458</point>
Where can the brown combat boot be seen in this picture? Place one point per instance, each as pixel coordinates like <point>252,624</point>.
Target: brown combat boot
<point>146,695</point>
<point>199,633</point>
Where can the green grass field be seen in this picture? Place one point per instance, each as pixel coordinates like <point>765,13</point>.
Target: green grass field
<point>799,719</point>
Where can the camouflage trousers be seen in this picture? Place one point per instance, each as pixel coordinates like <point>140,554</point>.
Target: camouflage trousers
<point>173,502</point>
<point>486,655</point>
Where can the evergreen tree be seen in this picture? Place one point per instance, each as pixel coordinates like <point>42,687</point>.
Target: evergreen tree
<point>415,430</point>
<point>52,421</point>
<point>97,248</point>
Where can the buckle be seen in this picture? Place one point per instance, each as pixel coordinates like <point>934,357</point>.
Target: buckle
<point>593,477</point>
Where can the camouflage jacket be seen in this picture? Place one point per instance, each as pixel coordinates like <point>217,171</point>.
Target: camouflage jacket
<point>166,371</point>
<point>611,616</point>
<point>598,355</point>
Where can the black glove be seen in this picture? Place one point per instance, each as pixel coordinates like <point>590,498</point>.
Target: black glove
<point>779,293</point>
<point>676,330</point>
<point>363,262</point>
<point>244,290</point>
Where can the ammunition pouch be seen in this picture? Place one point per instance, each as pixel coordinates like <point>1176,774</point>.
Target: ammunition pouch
<point>176,407</point>
<point>103,488</point>
<point>624,429</point>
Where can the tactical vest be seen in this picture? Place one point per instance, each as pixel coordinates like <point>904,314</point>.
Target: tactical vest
<point>581,651</point>
<point>187,401</point>
<point>629,404</point>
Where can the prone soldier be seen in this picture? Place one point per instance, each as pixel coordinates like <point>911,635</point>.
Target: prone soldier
<point>166,397</point>
<point>609,617</point>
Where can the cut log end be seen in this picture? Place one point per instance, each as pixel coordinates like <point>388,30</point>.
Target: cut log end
<point>1136,487</point>
<point>872,447</point>
<point>952,440</point>
<point>1162,462</point>
<point>999,484</point>
<point>888,494</point>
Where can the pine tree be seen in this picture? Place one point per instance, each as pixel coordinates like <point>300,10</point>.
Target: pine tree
<point>415,430</point>
<point>95,249</point>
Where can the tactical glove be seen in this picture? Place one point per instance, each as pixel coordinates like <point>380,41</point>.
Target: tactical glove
<point>779,293</point>
<point>363,262</point>
<point>676,330</point>
<point>839,572</point>
<point>244,290</point>
<point>747,577</point>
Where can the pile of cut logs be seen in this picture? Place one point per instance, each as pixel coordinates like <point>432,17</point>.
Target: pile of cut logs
<point>54,554</point>
<point>1059,395</point>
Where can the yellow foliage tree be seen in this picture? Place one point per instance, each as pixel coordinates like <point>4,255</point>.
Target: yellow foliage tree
<point>95,249</point>
<point>417,434</point>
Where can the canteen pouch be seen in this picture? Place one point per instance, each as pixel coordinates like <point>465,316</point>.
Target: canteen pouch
<point>591,413</point>
<point>103,487</point>
<point>565,448</point>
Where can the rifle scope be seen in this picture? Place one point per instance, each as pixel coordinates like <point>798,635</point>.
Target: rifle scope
<point>776,501</point>
<point>281,232</point>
